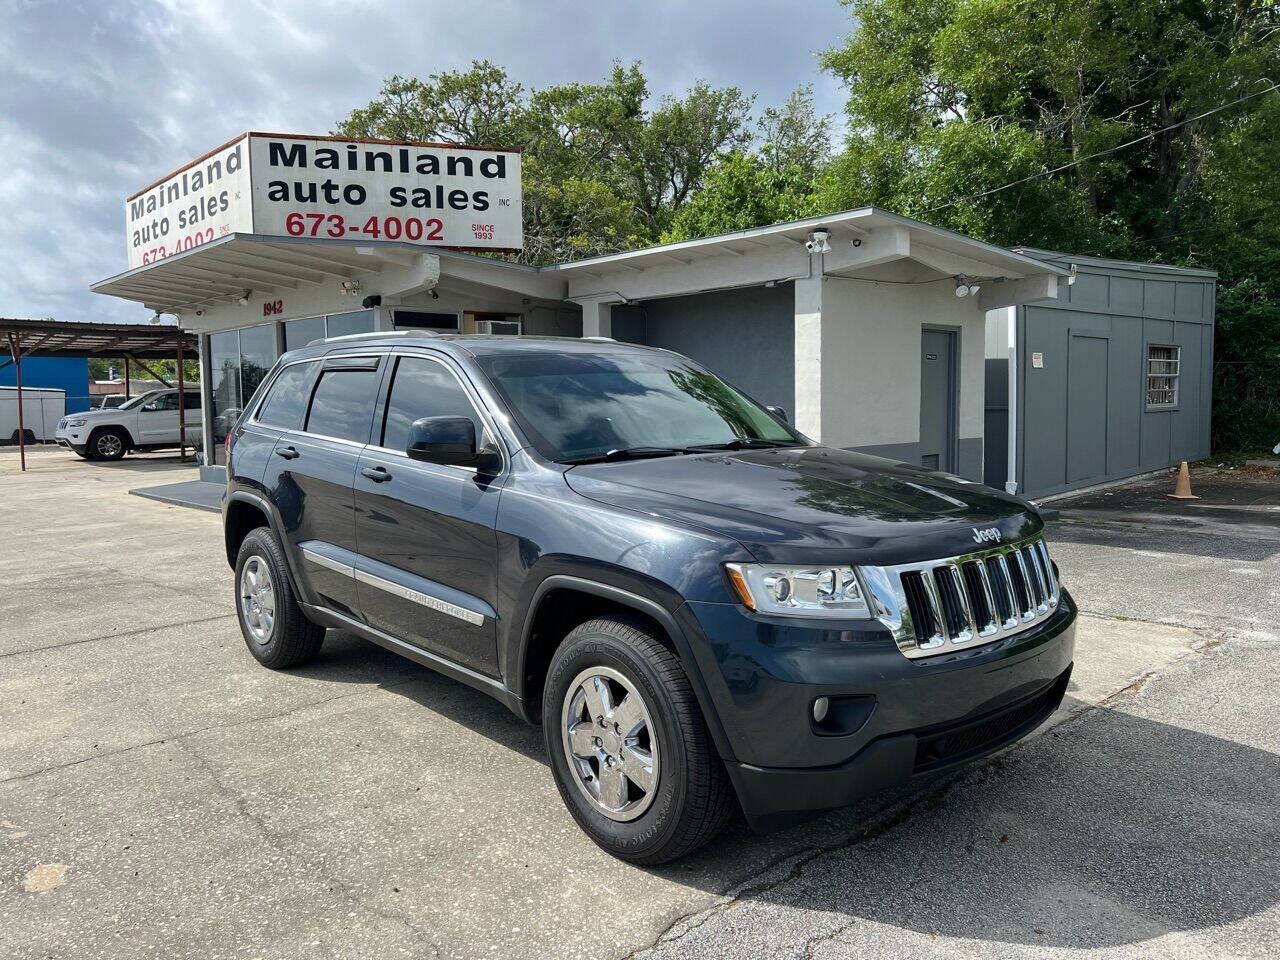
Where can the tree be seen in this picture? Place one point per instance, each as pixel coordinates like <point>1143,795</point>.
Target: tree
<point>602,172</point>
<point>666,154</point>
<point>794,135</point>
<point>743,191</point>
<point>959,110</point>
<point>480,105</point>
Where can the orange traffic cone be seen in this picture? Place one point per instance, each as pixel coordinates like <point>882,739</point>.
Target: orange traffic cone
<point>1183,490</point>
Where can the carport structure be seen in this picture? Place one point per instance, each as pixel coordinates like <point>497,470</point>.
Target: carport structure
<point>63,338</point>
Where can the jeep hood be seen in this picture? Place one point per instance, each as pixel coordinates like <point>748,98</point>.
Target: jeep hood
<point>814,504</point>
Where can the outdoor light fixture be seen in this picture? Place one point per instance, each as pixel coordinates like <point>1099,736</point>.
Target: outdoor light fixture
<point>967,286</point>
<point>351,287</point>
<point>243,299</point>
<point>818,241</point>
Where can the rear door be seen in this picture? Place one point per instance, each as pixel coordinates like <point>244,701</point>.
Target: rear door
<point>427,565</point>
<point>311,471</point>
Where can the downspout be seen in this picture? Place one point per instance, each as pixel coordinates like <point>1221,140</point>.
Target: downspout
<point>1011,479</point>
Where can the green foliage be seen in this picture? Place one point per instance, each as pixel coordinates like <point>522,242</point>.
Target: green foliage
<point>794,135</point>
<point>952,100</point>
<point>100,369</point>
<point>742,191</point>
<point>602,170</point>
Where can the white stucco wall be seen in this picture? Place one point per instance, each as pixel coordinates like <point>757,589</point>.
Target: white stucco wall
<point>867,340</point>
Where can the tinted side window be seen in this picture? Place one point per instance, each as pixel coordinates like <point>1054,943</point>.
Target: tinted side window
<point>193,400</point>
<point>168,401</point>
<point>424,388</point>
<point>342,405</point>
<point>287,401</point>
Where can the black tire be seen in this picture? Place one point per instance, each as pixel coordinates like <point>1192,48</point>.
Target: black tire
<point>109,443</point>
<point>292,639</point>
<point>693,799</point>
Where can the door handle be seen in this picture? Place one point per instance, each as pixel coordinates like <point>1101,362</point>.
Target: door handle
<point>376,474</point>
<point>287,452</point>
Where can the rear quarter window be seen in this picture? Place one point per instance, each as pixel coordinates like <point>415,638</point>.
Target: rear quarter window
<point>287,401</point>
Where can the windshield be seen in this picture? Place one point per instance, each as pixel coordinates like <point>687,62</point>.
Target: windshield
<point>138,400</point>
<point>577,407</point>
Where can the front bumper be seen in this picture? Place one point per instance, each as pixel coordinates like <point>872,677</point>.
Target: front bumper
<point>906,717</point>
<point>72,439</point>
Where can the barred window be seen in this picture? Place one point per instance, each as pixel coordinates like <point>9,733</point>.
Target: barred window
<point>1162,375</point>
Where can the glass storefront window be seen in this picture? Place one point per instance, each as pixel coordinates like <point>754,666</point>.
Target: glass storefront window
<point>298,333</point>
<point>240,359</point>
<point>343,324</point>
<point>224,384</point>
<point>257,354</point>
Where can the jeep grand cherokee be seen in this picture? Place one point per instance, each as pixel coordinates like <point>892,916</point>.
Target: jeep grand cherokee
<point>701,606</point>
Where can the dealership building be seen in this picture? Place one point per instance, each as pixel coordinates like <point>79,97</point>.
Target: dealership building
<point>1034,370</point>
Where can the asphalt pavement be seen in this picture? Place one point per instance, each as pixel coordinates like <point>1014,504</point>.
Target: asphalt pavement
<point>161,795</point>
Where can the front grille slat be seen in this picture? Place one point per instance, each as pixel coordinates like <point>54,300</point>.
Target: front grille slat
<point>1021,591</point>
<point>981,602</point>
<point>981,596</point>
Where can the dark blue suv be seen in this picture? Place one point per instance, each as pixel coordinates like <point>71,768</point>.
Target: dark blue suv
<point>701,606</point>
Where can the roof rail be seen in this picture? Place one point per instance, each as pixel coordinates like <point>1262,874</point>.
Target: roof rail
<point>375,335</point>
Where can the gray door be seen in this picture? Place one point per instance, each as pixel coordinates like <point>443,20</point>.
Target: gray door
<point>1087,408</point>
<point>938,400</point>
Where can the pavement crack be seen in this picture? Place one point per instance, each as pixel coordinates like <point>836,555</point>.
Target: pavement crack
<point>927,799</point>
<point>177,738</point>
<point>279,842</point>
<point>122,634</point>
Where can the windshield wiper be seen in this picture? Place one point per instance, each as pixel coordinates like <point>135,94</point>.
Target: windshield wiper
<point>742,443</point>
<point>628,453</point>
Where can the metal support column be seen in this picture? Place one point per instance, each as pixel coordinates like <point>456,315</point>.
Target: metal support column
<point>15,350</point>
<point>182,407</point>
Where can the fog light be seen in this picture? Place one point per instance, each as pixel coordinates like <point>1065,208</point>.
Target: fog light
<point>820,708</point>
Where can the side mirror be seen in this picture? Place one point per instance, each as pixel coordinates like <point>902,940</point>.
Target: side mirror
<point>778,412</point>
<point>151,407</point>
<point>449,440</point>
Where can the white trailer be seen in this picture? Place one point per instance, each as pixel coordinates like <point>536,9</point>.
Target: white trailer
<point>42,408</point>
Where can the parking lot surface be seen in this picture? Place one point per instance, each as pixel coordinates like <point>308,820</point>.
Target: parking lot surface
<point>163,795</point>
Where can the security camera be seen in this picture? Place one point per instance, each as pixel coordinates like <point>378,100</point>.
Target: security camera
<point>818,241</point>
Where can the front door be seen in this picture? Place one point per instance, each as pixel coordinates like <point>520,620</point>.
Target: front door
<point>938,400</point>
<point>427,565</point>
<point>158,420</point>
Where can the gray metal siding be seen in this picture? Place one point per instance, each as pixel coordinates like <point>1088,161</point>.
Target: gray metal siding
<point>1082,417</point>
<point>746,336</point>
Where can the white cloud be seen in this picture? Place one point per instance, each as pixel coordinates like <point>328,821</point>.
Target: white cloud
<point>100,98</point>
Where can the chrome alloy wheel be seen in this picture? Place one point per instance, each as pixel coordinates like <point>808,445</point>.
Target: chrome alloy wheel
<point>107,445</point>
<point>258,599</point>
<point>611,743</point>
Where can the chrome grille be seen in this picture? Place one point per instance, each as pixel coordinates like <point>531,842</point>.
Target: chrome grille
<point>964,601</point>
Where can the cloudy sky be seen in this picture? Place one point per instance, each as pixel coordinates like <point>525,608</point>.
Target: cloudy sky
<point>100,97</point>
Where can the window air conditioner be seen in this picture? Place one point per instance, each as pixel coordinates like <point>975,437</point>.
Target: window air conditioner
<point>508,328</point>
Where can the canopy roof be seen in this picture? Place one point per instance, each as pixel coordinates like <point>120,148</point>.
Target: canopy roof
<point>66,338</point>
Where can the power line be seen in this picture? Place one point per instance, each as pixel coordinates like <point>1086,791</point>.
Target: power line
<point>1103,153</point>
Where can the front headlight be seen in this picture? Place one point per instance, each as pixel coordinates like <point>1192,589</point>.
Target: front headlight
<point>77,423</point>
<point>826,592</point>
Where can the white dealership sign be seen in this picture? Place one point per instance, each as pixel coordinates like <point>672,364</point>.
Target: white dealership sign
<point>440,195</point>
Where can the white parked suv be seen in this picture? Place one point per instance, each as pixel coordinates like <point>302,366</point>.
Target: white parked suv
<point>146,422</point>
